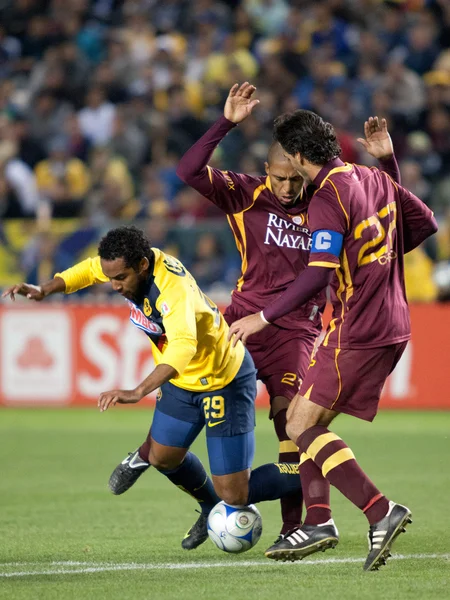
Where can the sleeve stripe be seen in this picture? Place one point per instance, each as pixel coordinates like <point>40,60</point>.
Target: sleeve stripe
<point>209,173</point>
<point>322,263</point>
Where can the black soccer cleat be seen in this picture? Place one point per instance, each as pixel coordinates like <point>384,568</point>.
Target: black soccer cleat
<point>383,534</point>
<point>197,534</point>
<point>280,538</point>
<point>127,473</point>
<point>305,540</point>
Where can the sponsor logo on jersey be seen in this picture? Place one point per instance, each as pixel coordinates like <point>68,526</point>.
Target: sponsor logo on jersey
<point>165,309</point>
<point>287,234</point>
<point>174,266</point>
<point>230,182</point>
<point>138,318</point>
<point>147,307</point>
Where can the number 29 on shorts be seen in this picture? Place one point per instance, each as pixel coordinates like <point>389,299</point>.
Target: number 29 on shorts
<point>214,407</point>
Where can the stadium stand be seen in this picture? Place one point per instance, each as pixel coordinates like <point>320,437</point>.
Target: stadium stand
<point>99,99</point>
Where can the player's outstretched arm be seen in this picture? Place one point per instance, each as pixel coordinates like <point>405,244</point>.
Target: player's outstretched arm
<point>307,284</point>
<point>36,292</point>
<point>419,222</point>
<point>227,190</point>
<point>160,375</point>
<point>378,143</point>
<point>82,275</point>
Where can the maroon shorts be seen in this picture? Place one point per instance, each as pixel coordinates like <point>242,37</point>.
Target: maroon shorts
<point>281,356</point>
<point>350,381</point>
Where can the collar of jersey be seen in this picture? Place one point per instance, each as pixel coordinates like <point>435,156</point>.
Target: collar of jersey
<point>150,279</point>
<point>325,171</point>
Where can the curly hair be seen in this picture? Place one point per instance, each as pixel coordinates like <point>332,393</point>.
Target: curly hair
<point>305,132</point>
<point>128,243</point>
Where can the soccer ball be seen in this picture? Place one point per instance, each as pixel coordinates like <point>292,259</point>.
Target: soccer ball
<point>234,529</point>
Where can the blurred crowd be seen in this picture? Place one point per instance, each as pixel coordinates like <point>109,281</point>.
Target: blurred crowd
<point>100,98</point>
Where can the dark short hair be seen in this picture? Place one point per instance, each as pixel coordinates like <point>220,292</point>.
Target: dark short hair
<point>305,132</point>
<point>128,243</point>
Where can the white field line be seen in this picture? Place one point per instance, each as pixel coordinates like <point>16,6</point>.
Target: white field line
<point>91,567</point>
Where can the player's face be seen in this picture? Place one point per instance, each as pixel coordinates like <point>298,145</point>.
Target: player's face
<point>287,183</point>
<point>296,164</point>
<point>126,280</point>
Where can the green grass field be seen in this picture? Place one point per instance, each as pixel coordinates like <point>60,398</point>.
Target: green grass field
<point>63,534</point>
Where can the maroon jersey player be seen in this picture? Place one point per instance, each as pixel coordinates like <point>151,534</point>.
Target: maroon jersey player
<point>362,223</point>
<point>267,215</point>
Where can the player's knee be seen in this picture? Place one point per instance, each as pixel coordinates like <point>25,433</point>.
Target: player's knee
<point>295,425</point>
<point>233,496</point>
<point>293,430</point>
<point>278,404</point>
<point>232,489</point>
<point>163,463</point>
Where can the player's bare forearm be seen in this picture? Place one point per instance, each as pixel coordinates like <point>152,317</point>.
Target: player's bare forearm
<point>36,292</point>
<point>162,374</point>
<point>57,285</point>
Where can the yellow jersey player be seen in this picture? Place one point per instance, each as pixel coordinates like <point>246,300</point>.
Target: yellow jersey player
<point>204,381</point>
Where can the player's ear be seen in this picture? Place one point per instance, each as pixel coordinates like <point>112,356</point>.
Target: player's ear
<point>266,167</point>
<point>144,264</point>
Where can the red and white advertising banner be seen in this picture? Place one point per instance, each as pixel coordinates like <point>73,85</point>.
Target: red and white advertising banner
<point>59,355</point>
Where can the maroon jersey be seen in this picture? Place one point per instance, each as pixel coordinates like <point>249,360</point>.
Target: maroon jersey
<point>379,220</point>
<point>274,242</point>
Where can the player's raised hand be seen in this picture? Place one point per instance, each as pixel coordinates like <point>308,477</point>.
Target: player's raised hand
<point>240,104</point>
<point>378,142</point>
<point>107,399</point>
<point>242,329</point>
<point>32,292</point>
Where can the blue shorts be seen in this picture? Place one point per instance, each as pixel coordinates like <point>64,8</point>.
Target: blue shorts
<point>228,415</point>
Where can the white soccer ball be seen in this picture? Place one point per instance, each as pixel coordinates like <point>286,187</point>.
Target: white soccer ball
<point>234,529</point>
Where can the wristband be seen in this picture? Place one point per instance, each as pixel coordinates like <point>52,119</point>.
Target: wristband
<point>261,314</point>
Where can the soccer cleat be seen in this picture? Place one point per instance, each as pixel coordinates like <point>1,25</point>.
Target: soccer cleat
<point>305,540</point>
<point>197,534</point>
<point>383,534</point>
<point>280,538</point>
<point>127,473</point>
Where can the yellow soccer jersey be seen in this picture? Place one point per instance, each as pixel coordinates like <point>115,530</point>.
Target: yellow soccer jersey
<point>187,330</point>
